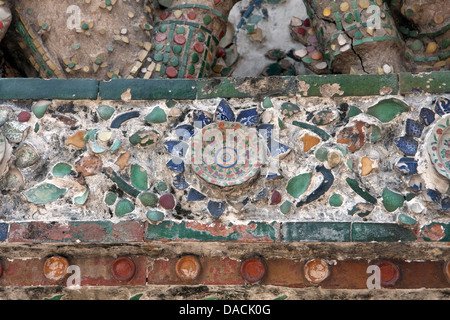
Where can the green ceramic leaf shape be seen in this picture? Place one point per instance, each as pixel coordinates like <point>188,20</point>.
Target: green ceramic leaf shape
<point>44,193</point>
<point>388,109</point>
<point>139,177</point>
<point>298,185</point>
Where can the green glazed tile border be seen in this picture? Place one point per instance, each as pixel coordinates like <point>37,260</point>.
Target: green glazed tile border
<point>347,85</point>
<point>132,231</point>
<point>154,89</point>
<point>257,88</point>
<point>433,82</point>
<point>316,231</point>
<point>381,232</point>
<point>31,88</point>
<point>193,231</point>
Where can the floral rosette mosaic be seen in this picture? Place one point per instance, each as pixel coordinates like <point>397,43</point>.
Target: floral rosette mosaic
<point>439,142</point>
<point>224,163</point>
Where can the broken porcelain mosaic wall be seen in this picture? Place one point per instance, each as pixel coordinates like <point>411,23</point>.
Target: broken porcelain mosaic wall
<point>375,159</point>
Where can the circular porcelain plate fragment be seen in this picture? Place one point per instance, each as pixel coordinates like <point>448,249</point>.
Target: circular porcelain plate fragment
<point>226,165</point>
<point>2,146</point>
<point>439,146</point>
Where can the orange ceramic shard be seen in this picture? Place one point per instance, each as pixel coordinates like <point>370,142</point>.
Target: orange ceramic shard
<point>366,166</point>
<point>89,165</point>
<point>77,140</point>
<point>353,136</point>
<point>122,161</point>
<point>309,142</point>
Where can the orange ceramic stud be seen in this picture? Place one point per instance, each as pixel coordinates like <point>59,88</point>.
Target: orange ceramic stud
<point>316,270</point>
<point>55,268</point>
<point>188,268</point>
<point>389,273</point>
<point>123,269</point>
<point>253,270</point>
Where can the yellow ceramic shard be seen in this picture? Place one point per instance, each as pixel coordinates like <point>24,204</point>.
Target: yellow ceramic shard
<point>344,6</point>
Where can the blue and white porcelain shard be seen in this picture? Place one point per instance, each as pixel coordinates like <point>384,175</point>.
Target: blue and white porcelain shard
<point>413,128</point>
<point>278,149</point>
<point>179,182</point>
<point>433,196</point>
<point>407,166</point>
<point>445,204</point>
<point>249,117</point>
<point>407,145</point>
<point>184,131</point>
<point>272,175</point>
<point>224,112</point>
<point>176,148</point>
<point>176,165</point>
<point>216,209</point>
<point>427,116</point>
<point>195,195</point>
<point>201,119</point>
<point>265,130</point>
<point>261,195</point>
<point>416,183</point>
<point>442,106</point>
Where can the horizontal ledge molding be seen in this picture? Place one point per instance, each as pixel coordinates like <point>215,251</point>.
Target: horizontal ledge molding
<point>188,231</point>
<point>331,86</point>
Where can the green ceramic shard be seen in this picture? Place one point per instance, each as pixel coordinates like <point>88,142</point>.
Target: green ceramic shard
<point>137,296</point>
<point>288,109</point>
<point>125,187</point>
<point>375,134</point>
<point>15,132</point>
<point>115,146</point>
<point>139,177</point>
<point>361,209</point>
<point>353,111</point>
<point>156,116</point>
<point>144,138</point>
<point>403,218</point>
<point>123,207</point>
<point>96,148</point>
<point>162,186</point>
<point>148,199</point>
<point>81,200</point>
<point>336,200</point>
<point>40,108</point>
<point>388,109</point>
<point>26,156</point>
<point>321,133</point>
<point>110,198</point>
<point>298,185</point>
<point>267,103</point>
<point>44,193</point>
<point>392,200</point>
<point>365,195</point>
<point>61,169</point>
<point>155,215</point>
<point>4,115</point>
<point>286,207</point>
<point>322,154</point>
<point>105,112</point>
